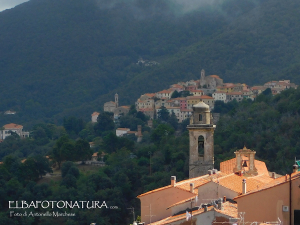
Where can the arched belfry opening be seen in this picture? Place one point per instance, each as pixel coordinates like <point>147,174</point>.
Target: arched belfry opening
<point>201,146</point>
<point>201,132</point>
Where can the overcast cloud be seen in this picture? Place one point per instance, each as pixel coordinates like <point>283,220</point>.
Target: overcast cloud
<point>7,4</point>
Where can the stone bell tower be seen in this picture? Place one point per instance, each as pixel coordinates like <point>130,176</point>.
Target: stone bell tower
<point>117,100</point>
<point>201,134</point>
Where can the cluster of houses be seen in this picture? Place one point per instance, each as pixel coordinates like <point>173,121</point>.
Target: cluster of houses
<point>208,89</point>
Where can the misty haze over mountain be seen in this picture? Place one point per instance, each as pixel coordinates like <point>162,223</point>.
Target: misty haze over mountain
<point>7,4</point>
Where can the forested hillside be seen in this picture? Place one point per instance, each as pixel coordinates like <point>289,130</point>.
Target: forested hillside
<point>61,58</point>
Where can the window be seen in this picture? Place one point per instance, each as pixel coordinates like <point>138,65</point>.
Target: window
<point>200,117</point>
<point>201,146</point>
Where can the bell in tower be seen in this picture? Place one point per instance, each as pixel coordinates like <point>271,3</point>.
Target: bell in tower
<point>201,134</point>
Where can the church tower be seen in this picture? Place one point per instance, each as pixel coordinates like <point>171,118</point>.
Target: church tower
<point>202,77</point>
<point>117,100</point>
<point>201,134</point>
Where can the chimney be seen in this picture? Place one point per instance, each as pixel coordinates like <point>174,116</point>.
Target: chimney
<point>205,207</point>
<point>224,199</point>
<point>192,188</point>
<point>215,171</point>
<point>274,175</point>
<point>244,186</point>
<point>210,172</point>
<point>286,177</point>
<point>173,180</point>
<point>295,168</point>
<point>220,204</point>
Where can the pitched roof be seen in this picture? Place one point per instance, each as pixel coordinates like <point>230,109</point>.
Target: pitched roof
<point>165,91</point>
<point>215,76</point>
<point>229,209</point>
<point>95,114</point>
<point>185,184</point>
<point>228,166</point>
<point>150,94</point>
<point>234,183</point>
<point>110,102</point>
<point>206,97</point>
<point>127,129</point>
<point>275,182</point>
<point>13,126</point>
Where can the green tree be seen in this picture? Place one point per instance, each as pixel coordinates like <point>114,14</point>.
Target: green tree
<point>63,150</point>
<point>82,150</point>
<point>104,123</point>
<point>163,114</point>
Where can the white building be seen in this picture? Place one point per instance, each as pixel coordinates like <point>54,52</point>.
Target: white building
<point>18,129</point>
<point>219,96</point>
<point>95,117</point>
<point>121,131</point>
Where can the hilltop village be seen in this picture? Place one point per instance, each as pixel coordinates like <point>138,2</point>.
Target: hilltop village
<point>180,98</point>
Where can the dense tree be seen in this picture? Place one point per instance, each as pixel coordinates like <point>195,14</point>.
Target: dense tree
<point>104,123</point>
<point>82,150</point>
<point>63,150</point>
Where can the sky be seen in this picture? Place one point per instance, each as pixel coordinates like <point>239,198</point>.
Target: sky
<point>7,4</point>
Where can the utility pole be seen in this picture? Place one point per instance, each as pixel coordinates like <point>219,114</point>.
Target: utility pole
<point>132,210</point>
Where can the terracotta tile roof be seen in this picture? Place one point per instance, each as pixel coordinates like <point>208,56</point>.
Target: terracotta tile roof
<point>275,182</point>
<point>12,126</point>
<point>23,160</point>
<point>1,162</point>
<point>183,201</point>
<point>127,129</point>
<point>131,132</point>
<point>109,102</point>
<point>165,91</point>
<point>95,114</point>
<point>221,92</point>
<point>95,154</point>
<point>229,165</point>
<point>206,97</point>
<point>215,76</point>
<point>234,183</point>
<point>155,190</point>
<point>150,94</point>
<point>229,209</point>
<point>264,178</point>
<point>125,107</point>
<point>185,184</point>
<point>198,181</point>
